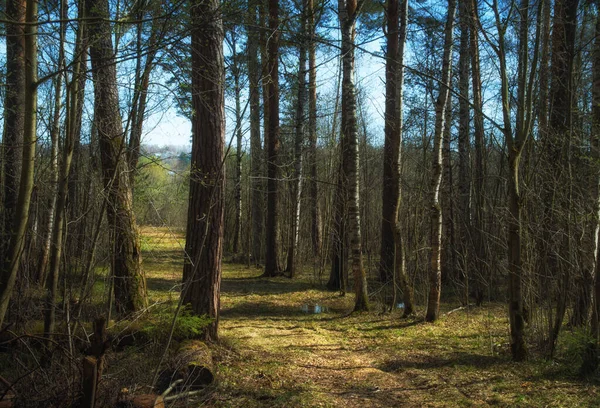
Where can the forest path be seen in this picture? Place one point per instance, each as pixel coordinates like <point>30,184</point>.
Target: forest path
<point>288,355</point>
<point>276,352</point>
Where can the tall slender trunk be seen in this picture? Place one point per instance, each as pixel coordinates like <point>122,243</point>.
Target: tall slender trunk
<point>237,233</point>
<point>73,127</point>
<point>555,251</point>
<point>204,237</point>
<point>515,143</point>
<point>347,15</point>
<point>54,136</point>
<point>129,281</point>
<point>273,145</point>
<point>435,273</point>
<point>590,357</point>
<point>396,38</point>
<point>11,262</point>
<point>14,119</point>
<point>478,209</point>
<point>256,152</point>
<point>311,158</point>
<point>140,94</point>
<point>464,152</point>
<point>298,147</point>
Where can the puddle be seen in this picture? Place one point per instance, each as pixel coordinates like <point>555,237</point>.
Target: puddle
<point>314,309</point>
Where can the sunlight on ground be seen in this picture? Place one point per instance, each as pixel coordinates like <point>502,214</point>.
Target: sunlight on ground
<point>274,353</point>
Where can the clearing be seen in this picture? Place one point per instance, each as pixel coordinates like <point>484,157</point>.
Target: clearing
<point>276,351</point>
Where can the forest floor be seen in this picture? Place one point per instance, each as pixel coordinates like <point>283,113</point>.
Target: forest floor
<point>275,351</point>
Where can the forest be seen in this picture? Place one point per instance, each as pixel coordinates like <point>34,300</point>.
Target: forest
<point>380,203</point>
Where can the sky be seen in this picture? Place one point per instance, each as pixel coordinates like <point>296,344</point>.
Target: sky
<point>165,127</point>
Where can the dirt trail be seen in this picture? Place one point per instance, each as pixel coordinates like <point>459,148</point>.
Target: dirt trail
<point>286,355</point>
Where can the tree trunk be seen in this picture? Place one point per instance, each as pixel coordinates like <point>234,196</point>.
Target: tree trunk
<point>347,15</point>
<point>590,357</point>
<point>235,69</point>
<point>298,147</point>
<point>73,127</point>
<point>556,250</point>
<point>464,154</point>
<point>14,119</point>
<point>140,94</point>
<point>256,152</point>
<point>54,136</point>
<point>435,273</point>
<point>129,284</point>
<point>479,136</point>
<point>204,238</point>
<point>18,228</point>
<point>312,135</point>
<point>273,145</point>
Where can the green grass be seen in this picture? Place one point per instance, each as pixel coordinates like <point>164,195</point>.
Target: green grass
<point>273,354</point>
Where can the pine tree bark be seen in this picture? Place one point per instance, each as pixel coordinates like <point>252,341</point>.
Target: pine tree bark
<point>298,175</point>
<point>435,273</point>
<point>204,237</point>
<point>256,152</point>
<point>397,18</point>
<point>559,146</point>
<point>313,187</point>
<point>235,69</point>
<point>464,152</point>
<point>129,281</point>
<point>478,208</point>
<point>14,117</point>
<point>273,145</point>
<point>348,12</point>
<point>590,357</point>
<point>18,227</point>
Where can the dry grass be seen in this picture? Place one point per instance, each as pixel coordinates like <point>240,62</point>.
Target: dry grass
<point>274,353</point>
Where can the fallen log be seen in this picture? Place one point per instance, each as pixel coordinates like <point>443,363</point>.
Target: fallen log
<point>194,364</point>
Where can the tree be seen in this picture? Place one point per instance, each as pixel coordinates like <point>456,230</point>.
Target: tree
<point>397,19</point>
<point>298,145</point>
<point>435,273</point>
<point>256,152</point>
<point>273,144</point>
<point>129,281</point>
<point>515,138</point>
<point>348,12</point>
<point>28,92</point>
<point>204,236</point>
<point>311,159</point>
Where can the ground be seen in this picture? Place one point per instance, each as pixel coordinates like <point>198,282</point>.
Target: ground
<point>276,351</point>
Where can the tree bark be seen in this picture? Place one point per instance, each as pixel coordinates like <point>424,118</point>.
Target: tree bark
<point>273,145</point>
<point>478,208</point>
<point>14,117</point>
<point>298,147</point>
<point>18,228</point>
<point>435,273</point>
<point>204,238</point>
<point>348,12</point>
<point>235,69</point>
<point>313,187</point>
<point>464,153</point>
<point>256,152</point>
<point>129,281</point>
<point>75,92</point>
